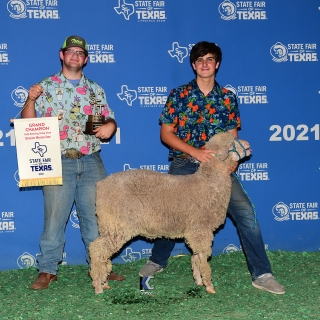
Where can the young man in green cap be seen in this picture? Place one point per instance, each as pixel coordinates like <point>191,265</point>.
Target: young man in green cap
<point>82,167</point>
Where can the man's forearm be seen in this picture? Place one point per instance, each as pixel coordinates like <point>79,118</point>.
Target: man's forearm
<point>29,109</point>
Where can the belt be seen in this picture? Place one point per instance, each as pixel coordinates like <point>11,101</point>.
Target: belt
<point>188,157</point>
<point>73,154</point>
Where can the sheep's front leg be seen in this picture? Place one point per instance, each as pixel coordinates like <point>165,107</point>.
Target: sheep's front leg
<point>100,264</point>
<point>99,285</point>
<point>195,263</point>
<point>105,284</point>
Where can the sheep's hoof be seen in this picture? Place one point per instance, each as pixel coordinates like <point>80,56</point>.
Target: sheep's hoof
<point>97,285</point>
<point>105,285</point>
<point>199,283</point>
<point>98,290</point>
<point>210,290</point>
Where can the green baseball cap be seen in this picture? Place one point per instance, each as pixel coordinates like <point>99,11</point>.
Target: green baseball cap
<point>75,41</point>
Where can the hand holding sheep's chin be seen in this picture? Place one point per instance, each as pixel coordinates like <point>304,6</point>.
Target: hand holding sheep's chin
<point>203,155</point>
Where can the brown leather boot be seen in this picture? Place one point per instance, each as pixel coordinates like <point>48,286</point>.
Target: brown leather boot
<point>112,276</point>
<point>43,280</point>
<point>115,277</point>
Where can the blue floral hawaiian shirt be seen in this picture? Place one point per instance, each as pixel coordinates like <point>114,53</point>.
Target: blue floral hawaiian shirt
<point>196,117</point>
<point>73,104</point>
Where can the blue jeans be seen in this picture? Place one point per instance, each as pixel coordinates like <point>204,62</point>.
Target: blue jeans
<point>79,180</point>
<point>240,211</point>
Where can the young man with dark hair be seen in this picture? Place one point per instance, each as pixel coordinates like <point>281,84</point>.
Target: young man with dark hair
<point>193,113</point>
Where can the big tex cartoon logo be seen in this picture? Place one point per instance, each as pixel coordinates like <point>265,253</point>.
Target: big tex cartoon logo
<point>33,9</point>
<point>26,260</point>
<point>19,96</point>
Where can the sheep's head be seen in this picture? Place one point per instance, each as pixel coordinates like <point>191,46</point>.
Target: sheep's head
<point>225,144</point>
<point>240,149</point>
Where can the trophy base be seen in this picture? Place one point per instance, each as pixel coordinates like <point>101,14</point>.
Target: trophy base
<point>94,122</point>
<point>97,121</point>
<point>90,126</point>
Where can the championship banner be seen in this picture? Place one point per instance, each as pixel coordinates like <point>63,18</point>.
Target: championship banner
<point>38,151</point>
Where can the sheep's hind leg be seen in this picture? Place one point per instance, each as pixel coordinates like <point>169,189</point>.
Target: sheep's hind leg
<point>205,271</point>
<point>195,263</point>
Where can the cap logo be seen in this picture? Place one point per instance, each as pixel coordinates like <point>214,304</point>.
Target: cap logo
<point>75,41</point>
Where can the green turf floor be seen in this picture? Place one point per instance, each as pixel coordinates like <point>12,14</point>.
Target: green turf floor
<point>174,296</point>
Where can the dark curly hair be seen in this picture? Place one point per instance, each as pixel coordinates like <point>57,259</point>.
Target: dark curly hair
<point>202,48</point>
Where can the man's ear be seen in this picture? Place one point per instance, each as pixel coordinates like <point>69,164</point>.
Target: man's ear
<point>61,55</point>
<point>217,65</point>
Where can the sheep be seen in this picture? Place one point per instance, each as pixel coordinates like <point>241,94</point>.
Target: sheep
<point>154,205</point>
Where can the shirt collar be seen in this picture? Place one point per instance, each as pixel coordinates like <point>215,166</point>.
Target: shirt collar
<point>195,86</point>
<point>82,80</point>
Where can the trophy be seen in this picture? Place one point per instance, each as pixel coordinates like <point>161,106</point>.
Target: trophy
<point>97,119</point>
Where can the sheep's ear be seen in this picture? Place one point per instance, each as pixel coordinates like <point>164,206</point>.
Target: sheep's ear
<point>221,152</point>
<point>222,155</point>
<point>219,143</point>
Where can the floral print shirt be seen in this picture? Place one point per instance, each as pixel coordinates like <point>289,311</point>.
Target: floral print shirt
<point>196,117</point>
<point>73,104</point>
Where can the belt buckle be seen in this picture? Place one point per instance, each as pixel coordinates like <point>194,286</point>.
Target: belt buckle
<point>73,154</point>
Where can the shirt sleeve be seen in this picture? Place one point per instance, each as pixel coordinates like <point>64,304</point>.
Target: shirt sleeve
<point>108,112</point>
<point>234,120</point>
<point>169,113</point>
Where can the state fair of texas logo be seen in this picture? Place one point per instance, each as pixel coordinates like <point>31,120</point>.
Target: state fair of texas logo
<point>124,8</point>
<point>180,52</point>
<point>131,256</point>
<point>128,95</point>
<point>145,11</point>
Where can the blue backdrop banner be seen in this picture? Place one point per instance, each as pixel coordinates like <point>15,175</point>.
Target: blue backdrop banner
<point>138,52</point>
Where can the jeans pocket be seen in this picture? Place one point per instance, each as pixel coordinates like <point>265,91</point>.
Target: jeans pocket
<point>178,162</point>
<point>181,166</point>
<point>96,156</point>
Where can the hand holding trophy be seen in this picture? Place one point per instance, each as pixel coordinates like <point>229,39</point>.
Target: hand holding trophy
<point>97,119</point>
